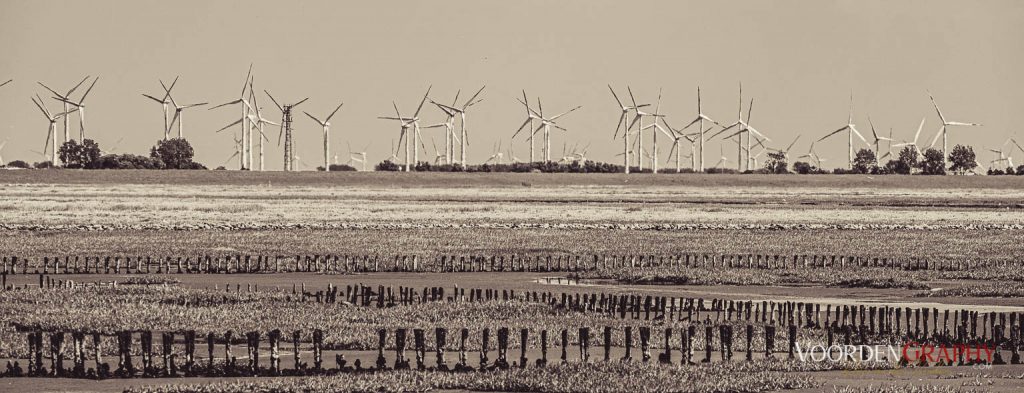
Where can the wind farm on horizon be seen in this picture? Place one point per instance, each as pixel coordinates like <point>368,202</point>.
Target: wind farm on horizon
<point>639,123</point>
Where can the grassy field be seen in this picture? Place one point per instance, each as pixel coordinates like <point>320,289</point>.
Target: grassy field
<point>180,213</point>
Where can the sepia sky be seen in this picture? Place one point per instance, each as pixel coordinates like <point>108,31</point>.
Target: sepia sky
<point>799,60</point>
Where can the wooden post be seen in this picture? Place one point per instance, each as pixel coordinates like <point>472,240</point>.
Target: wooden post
<point>440,341</point>
<point>382,336</point>
<point>645,348</point>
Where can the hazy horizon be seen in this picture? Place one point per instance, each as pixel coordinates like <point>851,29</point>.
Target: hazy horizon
<point>798,60</point>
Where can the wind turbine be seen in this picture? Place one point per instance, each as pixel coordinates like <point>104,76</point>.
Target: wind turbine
<point>545,125</point>
<point>243,120</point>
<point>677,137</point>
<point>622,121</point>
<point>2,144</point>
<point>638,117</point>
<point>811,154</point>
<point>326,124</point>
<point>496,157</point>
<point>66,96</point>
<point>164,102</point>
<point>877,141</point>
<point>361,154</point>
<point>916,136</point>
<point>449,127</point>
<point>407,123</point>
<point>463,140</point>
<point>530,117</point>
<point>51,132</point>
<point>656,127</point>
<point>258,120</point>
<point>178,118</point>
<point>785,152</point>
<point>745,127</point>
<point>5,83</point>
<point>286,131</point>
<point>851,129</point>
<point>701,117</point>
<point>945,124</point>
<point>80,105</point>
<point>723,159</point>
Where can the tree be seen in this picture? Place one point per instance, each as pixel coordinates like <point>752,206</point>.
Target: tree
<point>865,162</point>
<point>932,164</point>
<point>777,163</point>
<point>803,168</point>
<point>906,161</point>
<point>176,153</point>
<point>387,166</point>
<point>963,159</point>
<point>74,155</point>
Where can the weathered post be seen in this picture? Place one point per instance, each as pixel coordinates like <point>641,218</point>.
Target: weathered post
<point>318,349</point>
<point>585,344</point>
<point>484,348</point>
<point>440,342</point>
<point>400,361</point>
<point>645,347</point>
<point>420,349</point>
<point>382,336</point>
<point>523,340</point>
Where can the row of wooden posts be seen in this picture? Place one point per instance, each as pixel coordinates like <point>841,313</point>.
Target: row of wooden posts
<point>330,263</point>
<point>921,323</point>
<point>192,366</point>
<point>874,320</point>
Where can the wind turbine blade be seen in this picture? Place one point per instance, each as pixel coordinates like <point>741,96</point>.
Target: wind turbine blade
<point>224,104</point>
<point>51,90</point>
<point>230,125</point>
<point>616,96</point>
<point>332,113</point>
<point>314,119</point>
<point>155,99</point>
<point>792,143</point>
<point>272,100</point>
<point>41,108</point>
<point>76,86</point>
<point>5,83</point>
<point>86,94</point>
<point>631,96</point>
<point>247,81</point>
<point>957,123</point>
<point>854,129</point>
<point>942,118</point>
<point>833,133</point>
<point>724,129</point>
<point>565,113</point>
<point>919,128</point>
<point>873,133</point>
<point>936,138</point>
<point>622,119</point>
<point>297,103</point>
<point>168,90</point>
<point>417,113</point>
<point>470,102</point>
<point>521,128</point>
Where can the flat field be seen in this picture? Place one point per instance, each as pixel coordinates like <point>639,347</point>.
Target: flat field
<point>167,213</point>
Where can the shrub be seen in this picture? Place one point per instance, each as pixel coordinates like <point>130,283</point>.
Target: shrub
<point>129,161</point>
<point>43,165</point>
<point>338,168</point>
<point>19,164</point>
<point>387,166</point>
